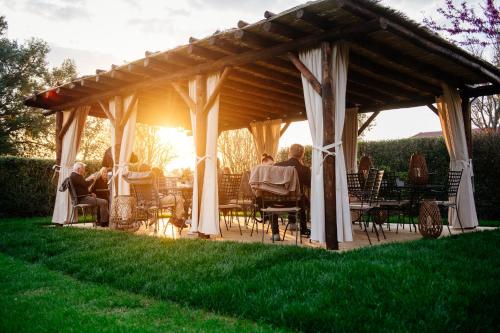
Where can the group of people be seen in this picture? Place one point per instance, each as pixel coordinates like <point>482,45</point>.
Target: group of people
<point>295,159</point>
<point>94,189</point>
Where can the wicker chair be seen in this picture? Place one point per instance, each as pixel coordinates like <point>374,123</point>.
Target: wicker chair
<point>452,186</point>
<point>247,199</point>
<point>229,187</point>
<point>369,199</point>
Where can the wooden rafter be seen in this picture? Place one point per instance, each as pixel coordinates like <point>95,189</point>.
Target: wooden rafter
<point>67,124</point>
<point>213,97</point>
<point>128,111</point>
<point>368,122</point>
<point>433,109</point>
<point>108,114</point>
<point>185,97</point>
<point>305,72</point>
<point>283,130</point>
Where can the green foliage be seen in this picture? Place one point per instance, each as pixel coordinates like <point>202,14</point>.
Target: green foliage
<point>423,286</point>
<point>24,70</point>
<point>394,155</point>
<point>27,186</point>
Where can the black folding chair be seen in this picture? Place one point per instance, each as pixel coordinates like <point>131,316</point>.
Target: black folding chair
<point>76,207</point>
<point>369,200</point>
<point>452,187</point>
<point>275,206</point>
<point>229,187</point>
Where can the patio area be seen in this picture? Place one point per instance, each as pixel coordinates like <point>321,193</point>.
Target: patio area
<point>360,240</point>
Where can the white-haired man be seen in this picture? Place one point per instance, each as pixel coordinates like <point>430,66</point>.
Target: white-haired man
<point>81,189</point>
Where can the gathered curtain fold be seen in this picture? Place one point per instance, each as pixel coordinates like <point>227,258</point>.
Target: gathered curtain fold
<point>126,143</point>
<point>314,109</point>
<point>452,124</point>
<point>70,146</point>
<point>206,219</point>
<point>266,137</point>
<point>340,63</point>
<point>194,209</point>
<point>350,140</point>
<point>208,223</point>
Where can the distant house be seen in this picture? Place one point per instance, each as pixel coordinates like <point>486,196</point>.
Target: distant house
<point>437,134</point>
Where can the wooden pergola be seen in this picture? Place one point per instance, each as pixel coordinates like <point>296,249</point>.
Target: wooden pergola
<point>393,63</point>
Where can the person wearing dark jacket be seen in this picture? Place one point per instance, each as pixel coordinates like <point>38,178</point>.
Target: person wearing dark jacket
<point>295,156</point>
<point>81,190</point>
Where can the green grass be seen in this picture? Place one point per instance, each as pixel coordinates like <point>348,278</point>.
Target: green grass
<point>450,284</point>
<point>36,299</point>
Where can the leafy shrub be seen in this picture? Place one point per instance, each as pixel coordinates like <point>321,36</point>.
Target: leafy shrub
<point>394,155</point>
<point>27,186</point>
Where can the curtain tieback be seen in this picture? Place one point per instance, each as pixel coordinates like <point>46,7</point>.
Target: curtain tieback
<point>119,170</point>
<point>326,149</point>
<point>201,159</point>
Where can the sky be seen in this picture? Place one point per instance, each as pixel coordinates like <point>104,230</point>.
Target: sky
<point>97,33</point>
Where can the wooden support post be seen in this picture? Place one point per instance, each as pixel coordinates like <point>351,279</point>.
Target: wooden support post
<point>466,113</point>
<point>59,124</point>
<point>332,242</point>
<point>201,135</point>
<point>118,139</point>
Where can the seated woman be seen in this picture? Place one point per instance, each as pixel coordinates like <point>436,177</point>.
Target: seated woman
<point>100,187</point>
<point>267,159</point>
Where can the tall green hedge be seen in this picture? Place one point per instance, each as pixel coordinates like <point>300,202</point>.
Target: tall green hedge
<point>26,186</point>
<point>394,155</point>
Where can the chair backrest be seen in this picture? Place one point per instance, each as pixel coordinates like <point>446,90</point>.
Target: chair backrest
<point>144,188</point>
<point>371,189</point>
<point>354,185</point>
<point>454,178</point>
<point>229,187</point>
<point>388,189</point>
<point>245,188</point>
<point>72,192</point>
<point>272,199</point>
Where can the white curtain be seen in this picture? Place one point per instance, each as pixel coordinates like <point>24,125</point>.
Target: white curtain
<point>314,110</point>
<point>194,209</point>
<point>70,146</point>
<point>350,139</point>
<point>266,136</point>
<point>340,61</point>
<point>452,124</point>
<point>127,140</point>
<point>208,223</point>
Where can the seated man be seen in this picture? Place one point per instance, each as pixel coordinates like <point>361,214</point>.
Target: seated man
<point>100,188</point>
<point>295,156</point>
<point>81,189</point>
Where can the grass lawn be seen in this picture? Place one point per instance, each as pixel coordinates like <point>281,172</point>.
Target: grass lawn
<point>451,284</point>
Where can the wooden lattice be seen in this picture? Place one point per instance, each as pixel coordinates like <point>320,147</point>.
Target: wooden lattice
<point>122,214</point>
<point>418,173</point>
<point>365,164</point>
<point>429,219</point>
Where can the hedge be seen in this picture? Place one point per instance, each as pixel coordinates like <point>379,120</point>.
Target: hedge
<point>394,155</point>
<point>27,187</point>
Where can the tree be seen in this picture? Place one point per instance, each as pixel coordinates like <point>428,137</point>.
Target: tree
<point>149,148</point>
<point>23,70</point>
<point>480,34</point>
<point>237,149</point>
<point>96,139</point>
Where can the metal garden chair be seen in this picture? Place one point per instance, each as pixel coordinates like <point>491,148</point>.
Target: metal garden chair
<point>229,187</point>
